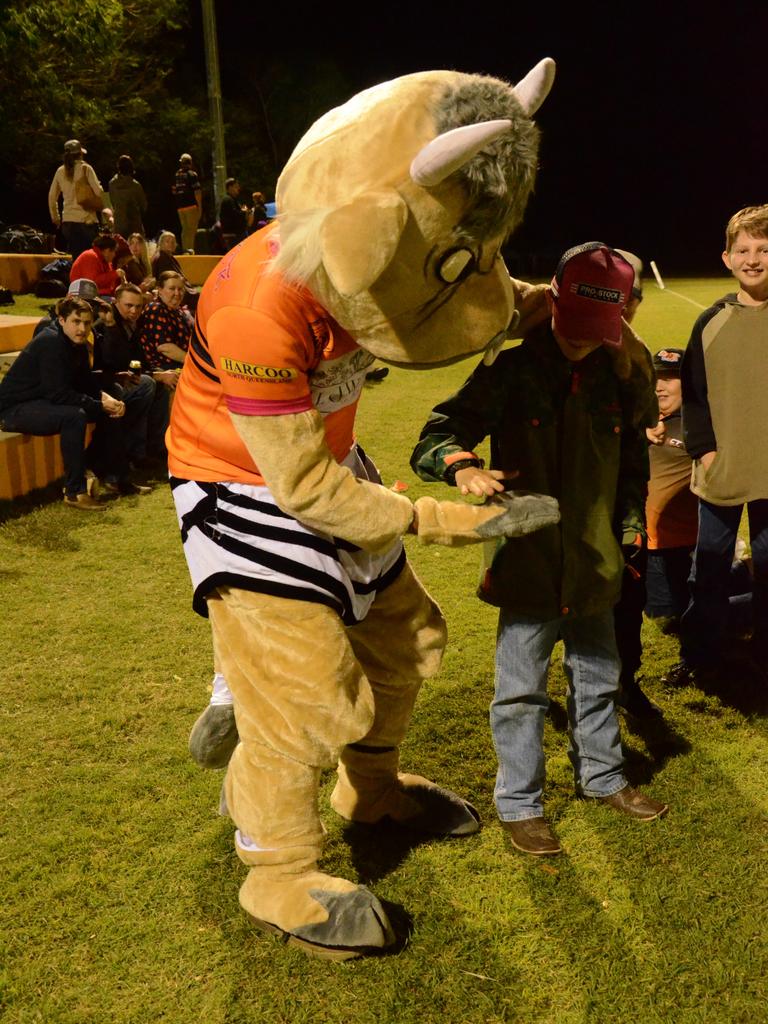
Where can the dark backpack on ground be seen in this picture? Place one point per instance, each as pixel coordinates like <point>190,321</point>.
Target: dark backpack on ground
<point>20,238</point>
<point>54,279</point>
<point>50,288</point>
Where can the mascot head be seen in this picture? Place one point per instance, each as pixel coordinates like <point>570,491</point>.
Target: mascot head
<point>393,209</point>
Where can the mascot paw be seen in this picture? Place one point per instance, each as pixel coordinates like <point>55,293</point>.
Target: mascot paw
<point>434,810</point>
<point>340,925</point>
<point>520,512</point>
<point>510,514</point>
<point>408,800</point>
<point>214,736</point>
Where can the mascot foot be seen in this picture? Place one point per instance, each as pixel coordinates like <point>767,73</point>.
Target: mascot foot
<point>408,800</point>
<point>214,736</point>
<point>325,917</point>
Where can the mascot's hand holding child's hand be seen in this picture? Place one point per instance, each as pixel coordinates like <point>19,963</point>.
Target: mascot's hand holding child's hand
<point>506,514</point>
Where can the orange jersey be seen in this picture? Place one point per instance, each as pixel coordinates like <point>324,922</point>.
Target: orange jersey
<point>261,347</point>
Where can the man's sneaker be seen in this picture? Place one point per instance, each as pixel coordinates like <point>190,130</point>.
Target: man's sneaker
<point>125,488</point>
<point>532,835</point>
<point>84,501</point>
<point>683,674</point>
<point>635,804</point>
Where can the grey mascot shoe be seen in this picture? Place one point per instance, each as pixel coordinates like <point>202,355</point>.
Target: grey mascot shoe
<point>214,736</point>
<point>357,926</point>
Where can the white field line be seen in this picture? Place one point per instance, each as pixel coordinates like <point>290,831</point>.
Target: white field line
<point>693,302</point>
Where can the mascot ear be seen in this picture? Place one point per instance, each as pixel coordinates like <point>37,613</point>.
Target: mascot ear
<point>359,240</point>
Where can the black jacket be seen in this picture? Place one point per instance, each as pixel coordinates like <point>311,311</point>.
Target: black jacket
<point>52,368</point>
<point>118,348</point>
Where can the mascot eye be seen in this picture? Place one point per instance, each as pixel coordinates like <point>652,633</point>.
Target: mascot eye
<point>454,264</point>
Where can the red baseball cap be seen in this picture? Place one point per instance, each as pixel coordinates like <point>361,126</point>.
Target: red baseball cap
<point>591,287</point>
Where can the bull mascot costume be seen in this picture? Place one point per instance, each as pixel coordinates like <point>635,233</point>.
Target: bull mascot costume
<point>392,212</point>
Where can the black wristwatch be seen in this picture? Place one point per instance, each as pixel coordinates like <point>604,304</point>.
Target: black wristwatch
<point>449,476</point>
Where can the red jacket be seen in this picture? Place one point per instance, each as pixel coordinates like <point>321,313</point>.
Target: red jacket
<point>91,264</point>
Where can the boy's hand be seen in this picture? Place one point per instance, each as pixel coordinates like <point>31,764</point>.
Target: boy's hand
<point>706,459</point>
<point>481,482</point>
<point>656,434</point>
<point>632,549</point>
<point>511,514</point>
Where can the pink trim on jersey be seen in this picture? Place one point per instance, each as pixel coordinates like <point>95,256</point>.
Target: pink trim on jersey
<point>253,407</point>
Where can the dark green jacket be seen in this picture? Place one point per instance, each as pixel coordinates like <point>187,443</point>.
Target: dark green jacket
<point>567,428</point>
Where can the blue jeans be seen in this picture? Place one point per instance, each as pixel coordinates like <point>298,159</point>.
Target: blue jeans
<point>667,588</point>
<point>138,400</point>
<point>702,625</point>
<point>591,663</point>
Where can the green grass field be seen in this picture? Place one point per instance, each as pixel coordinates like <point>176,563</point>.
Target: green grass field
<point>119,883</point>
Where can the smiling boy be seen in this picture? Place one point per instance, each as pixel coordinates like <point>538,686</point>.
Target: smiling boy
<point>725,420</point>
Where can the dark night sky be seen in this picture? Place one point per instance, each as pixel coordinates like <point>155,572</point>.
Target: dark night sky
<point>654,133</point>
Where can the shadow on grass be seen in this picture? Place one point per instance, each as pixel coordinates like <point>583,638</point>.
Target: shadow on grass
<point>222,873</point>
<point>737,683</point>
<point>17,508</point>
<point>377,850</point>
<point>747,696</point>
<point>662,743</point>
<point>49,525</point>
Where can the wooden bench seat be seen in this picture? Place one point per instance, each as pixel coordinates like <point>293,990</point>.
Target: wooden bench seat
<point>16,331</point>
<point>28,462</point>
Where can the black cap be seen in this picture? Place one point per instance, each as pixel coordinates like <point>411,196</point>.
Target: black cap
<point>667,360</point>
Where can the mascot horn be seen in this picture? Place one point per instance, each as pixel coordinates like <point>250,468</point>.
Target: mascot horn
<point>392,212</point>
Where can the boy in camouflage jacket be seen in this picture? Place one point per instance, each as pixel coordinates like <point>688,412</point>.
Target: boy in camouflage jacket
<point>562,422</point>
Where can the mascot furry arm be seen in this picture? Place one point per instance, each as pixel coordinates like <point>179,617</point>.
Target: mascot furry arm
<point>313,488</point>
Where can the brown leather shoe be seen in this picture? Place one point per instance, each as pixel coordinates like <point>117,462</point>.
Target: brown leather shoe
<point>84,502</point>
<point>635,804</point>
<point>532,835</point>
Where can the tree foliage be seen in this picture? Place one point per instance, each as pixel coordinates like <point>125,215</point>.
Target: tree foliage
<point>128,76</point>
<point>96,70</point>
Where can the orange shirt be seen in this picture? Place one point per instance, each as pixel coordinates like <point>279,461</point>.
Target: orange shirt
<point>672,509</point>
<point>261,347</point>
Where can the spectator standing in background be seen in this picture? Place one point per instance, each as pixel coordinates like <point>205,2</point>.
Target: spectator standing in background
<point>79,226</point>
<point>189,201</point>
<point>724,374</point>
<point>259,215</point>
<point>233,215</point>
<point>127,199</point>
<point>628,612</point>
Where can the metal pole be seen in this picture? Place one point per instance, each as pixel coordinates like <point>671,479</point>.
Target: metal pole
<point>214,99</point>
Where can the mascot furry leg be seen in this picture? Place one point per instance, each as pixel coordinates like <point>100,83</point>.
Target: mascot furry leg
<point>364,680</point>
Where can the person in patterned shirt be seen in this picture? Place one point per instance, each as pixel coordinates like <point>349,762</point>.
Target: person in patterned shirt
<point>162,335</point>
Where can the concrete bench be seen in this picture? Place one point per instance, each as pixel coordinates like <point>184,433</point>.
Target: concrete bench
<point>27,463</point>
<point>197,268</point>
<point>20,271</point>
<point>16,331</point>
